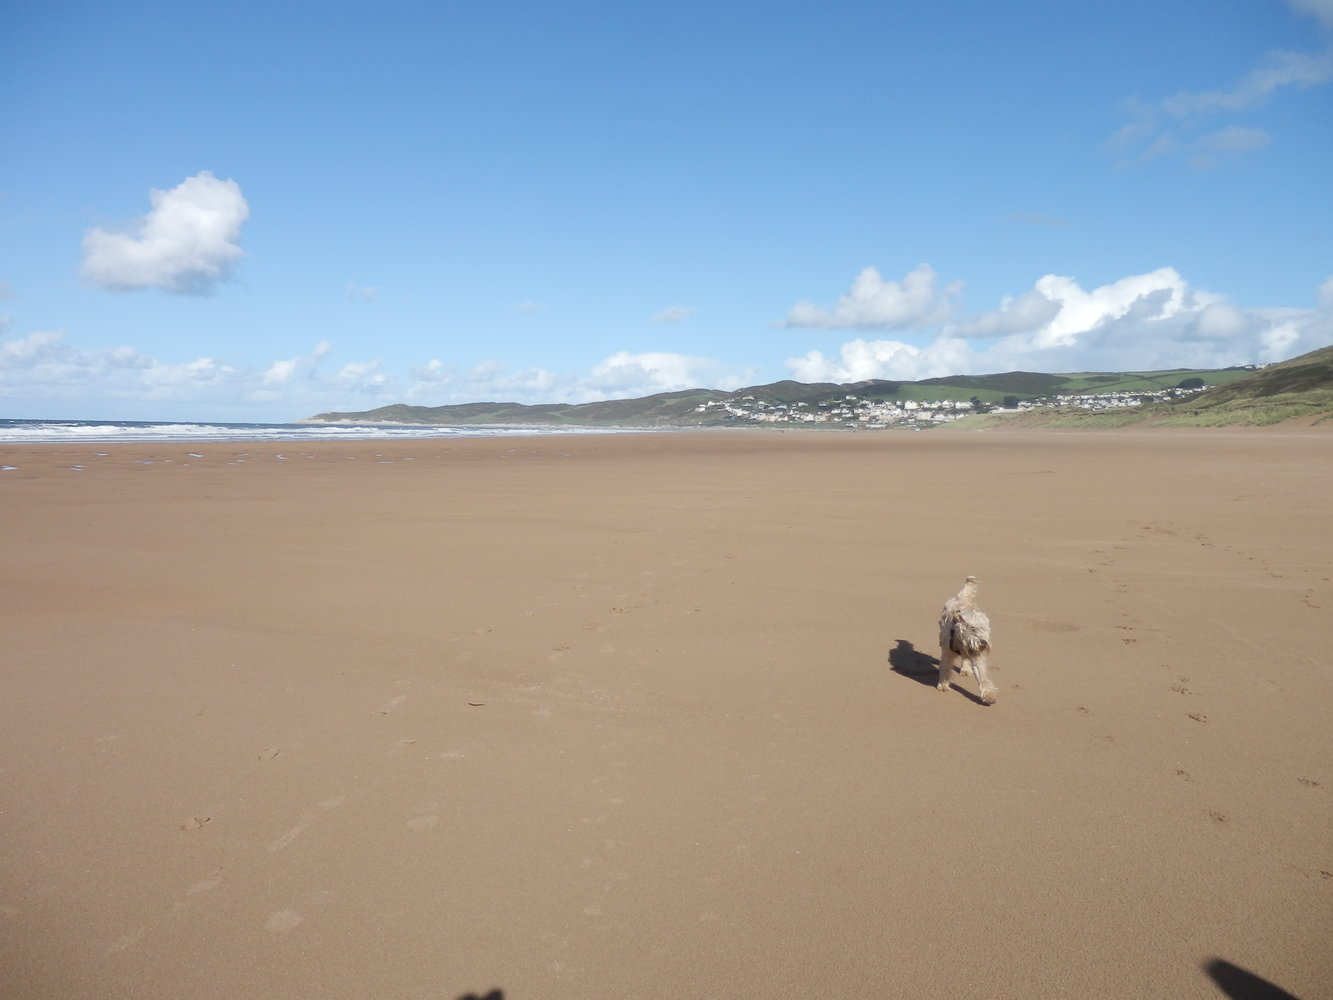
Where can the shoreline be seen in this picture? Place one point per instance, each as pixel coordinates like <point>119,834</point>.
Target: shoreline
<point>1311,427</point>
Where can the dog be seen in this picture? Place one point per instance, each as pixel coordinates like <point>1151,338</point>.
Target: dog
<point>965,640</point>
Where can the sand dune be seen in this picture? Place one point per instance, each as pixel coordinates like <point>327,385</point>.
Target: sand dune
<point>654,716</point>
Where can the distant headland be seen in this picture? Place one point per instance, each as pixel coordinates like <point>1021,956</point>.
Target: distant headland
<point>1300,387</point>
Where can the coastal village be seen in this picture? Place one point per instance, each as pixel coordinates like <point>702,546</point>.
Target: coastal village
<point>854,411</point>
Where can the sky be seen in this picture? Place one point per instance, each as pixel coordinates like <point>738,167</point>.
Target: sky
<point>259,211</point>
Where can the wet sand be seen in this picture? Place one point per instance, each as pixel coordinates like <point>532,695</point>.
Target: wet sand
<point>655,716</point>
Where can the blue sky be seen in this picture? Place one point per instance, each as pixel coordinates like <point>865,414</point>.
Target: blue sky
<point>259,211</point>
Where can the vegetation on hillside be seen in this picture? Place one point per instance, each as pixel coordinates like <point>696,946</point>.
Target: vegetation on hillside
<point>1301,387</point>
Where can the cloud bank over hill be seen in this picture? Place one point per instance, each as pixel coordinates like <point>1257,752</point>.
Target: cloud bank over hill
<point>1144,321</point>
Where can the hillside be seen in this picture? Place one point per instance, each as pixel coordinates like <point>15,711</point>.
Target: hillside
<point>1301,388</point>
<point>681,408</point>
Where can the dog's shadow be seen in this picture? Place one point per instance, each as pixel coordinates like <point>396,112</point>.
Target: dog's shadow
<point>909,661</point>
<point>923,668</point>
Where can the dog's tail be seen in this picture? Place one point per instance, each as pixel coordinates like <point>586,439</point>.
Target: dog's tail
<point>969,632</point>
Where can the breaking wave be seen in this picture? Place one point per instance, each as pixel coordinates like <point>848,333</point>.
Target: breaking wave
<point>60,431</point>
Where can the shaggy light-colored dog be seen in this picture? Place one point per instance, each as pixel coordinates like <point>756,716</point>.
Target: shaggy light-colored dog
<point>965,640</point>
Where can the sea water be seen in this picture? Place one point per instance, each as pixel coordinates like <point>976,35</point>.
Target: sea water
<point>98,431</point>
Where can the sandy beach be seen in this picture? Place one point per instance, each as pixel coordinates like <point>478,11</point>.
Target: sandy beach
<point>655,716</point>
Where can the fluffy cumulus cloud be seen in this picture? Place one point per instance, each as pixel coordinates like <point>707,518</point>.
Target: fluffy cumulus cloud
<point>858,360</point>
<point>187,242</point>
<point>875,303</point>
<point>1058,312</point>
<point>1145,321</point>
<point>625,375</point>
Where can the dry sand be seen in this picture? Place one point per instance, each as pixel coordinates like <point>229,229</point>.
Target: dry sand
<point>635,716</point>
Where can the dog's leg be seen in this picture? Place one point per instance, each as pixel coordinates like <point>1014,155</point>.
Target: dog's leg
<point>947,657</point>
<point>989,691</point>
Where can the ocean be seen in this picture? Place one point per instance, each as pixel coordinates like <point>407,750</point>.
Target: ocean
<point>106,431</point>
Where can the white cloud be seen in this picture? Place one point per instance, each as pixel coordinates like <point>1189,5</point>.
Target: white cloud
<point>363,293</point>
<point>1211,149</point>
<point>1322,10</point>
<point>1220,321</point>
<point>621,376</point>
<point>1325,295</point>
<point>1176,124</point>
<point>1028,311</point>
<point>1146,321</point>
<point>44,369</point>
<point>625,375</point>
<point>495,382</point>
<point>32,349</point>
<point>674,314</point>
<point>186,244</point>
<point>433,370</point>
<point>1069,312</point>
<point>43,365</point>
<point>1275,72</point>
<point>530,307</point>
<point>362,376</point>
<point>286,370</point>
<point>873,303</point>
<point>1154,320</point>
<point>859,360</point>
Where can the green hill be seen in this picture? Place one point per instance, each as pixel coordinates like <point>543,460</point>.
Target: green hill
<point>1302,386</point>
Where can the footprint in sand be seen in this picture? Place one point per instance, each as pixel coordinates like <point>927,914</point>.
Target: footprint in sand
<point>394,703</point>
<point>205,885</point>
<point>282,921</point>
<point>427,815</point>
<point>286,839</point>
